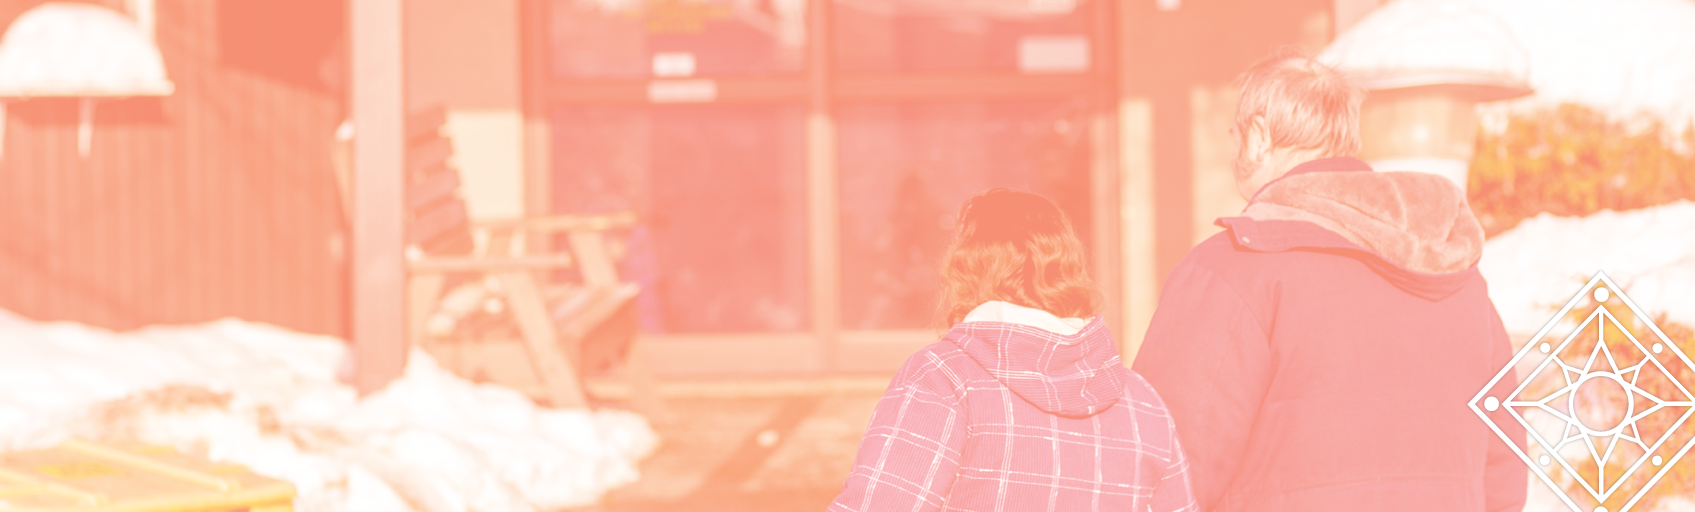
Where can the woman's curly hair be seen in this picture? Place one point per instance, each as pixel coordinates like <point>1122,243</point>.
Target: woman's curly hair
<point>1016,247</point>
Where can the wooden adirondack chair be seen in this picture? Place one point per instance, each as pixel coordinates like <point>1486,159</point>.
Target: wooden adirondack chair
<point>565,328</point>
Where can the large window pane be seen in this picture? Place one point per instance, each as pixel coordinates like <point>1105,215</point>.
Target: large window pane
<point>675,38</point>
<point>905,169</point>
<point>720,191</point>
<point>1030,36</point>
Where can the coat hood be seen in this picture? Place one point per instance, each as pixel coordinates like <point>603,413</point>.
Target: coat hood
<point>1415,229</point>
<point>1076,375</point>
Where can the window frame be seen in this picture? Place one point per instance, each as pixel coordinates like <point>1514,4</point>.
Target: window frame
<point>826,348</point>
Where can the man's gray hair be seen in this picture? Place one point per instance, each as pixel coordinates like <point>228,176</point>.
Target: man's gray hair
<point>1304,103</point>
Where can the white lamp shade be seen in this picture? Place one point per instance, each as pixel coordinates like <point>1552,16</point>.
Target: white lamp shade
<point>1414,43</point>
<point>67,49</point>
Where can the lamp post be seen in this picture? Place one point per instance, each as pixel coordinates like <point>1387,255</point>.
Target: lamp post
<point>1428,63</point>
<point>82,51</point>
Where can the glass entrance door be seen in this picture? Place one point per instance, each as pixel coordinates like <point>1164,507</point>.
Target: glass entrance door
<point>701,116</point>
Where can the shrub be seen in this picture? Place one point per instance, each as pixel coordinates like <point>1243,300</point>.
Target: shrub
<point>1572,161</point>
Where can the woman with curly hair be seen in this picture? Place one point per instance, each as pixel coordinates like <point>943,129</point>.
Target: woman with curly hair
<point>1024,404</point>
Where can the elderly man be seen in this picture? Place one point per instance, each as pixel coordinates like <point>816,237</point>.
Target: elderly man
<point>1320,352</point>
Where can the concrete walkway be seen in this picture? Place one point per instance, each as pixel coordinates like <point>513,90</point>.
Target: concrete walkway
<point>772,448</point>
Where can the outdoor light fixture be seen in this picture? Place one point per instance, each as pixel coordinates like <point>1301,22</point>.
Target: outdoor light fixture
<point>81,51</point>
<point>1428,63</point>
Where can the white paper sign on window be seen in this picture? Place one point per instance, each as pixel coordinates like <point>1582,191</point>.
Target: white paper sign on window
<point>1052,6</point>
<point>673,64</point>
<point>1053,54</point>
<point>682,91</point>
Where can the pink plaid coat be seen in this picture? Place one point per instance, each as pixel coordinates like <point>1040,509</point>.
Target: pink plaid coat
<point>1007,417</point>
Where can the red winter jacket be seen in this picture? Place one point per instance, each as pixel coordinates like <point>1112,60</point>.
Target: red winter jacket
<point>1319,354</point>
<point>1008,417</point>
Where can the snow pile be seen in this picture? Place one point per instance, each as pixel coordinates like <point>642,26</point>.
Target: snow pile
<point>269,399</point>
<point>1534,268</point>
<point>1625,57</point>
<point>1631,59</point>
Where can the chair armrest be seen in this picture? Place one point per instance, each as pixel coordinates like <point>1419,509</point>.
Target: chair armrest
<point>448,264</point>
<point>581,311</point>
<point>555,223</point>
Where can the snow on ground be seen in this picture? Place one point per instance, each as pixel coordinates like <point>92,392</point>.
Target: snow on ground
<point>1536,267</point>
<point>269,399</point>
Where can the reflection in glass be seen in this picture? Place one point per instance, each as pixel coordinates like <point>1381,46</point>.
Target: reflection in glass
<point>906,168</point>
<point>675,38</point>
<point>1030,36</point>
<point>720,192</point>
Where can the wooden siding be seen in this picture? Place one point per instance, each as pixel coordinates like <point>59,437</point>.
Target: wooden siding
<point>217,201</point>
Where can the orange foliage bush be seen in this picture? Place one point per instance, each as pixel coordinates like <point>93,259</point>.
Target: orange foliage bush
<point>1573,161</point>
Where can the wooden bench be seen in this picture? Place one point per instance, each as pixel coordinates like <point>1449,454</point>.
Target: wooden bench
<point>496,300</point>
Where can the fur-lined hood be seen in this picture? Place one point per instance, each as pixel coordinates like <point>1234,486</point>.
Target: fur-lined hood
<point>1417,223</point>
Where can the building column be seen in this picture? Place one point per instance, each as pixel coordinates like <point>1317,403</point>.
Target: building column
<point>379,150</point>
<point>1139,278</point>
